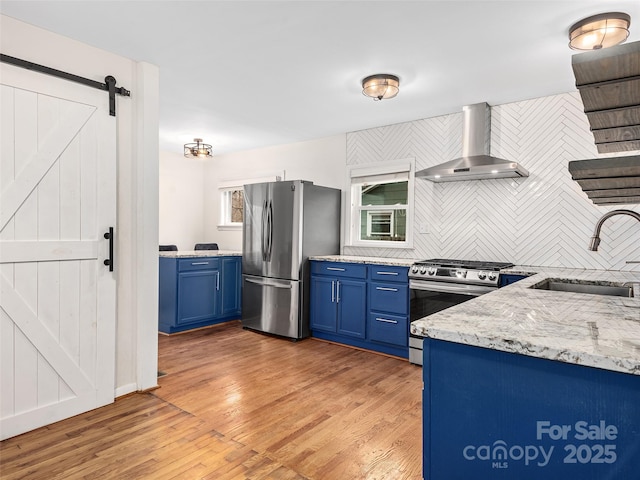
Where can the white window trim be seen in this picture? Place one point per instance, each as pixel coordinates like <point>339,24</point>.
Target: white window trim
<point>407,165</point>
<point>230,185</point>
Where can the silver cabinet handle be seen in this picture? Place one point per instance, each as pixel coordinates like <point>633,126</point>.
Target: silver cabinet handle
<point>386,289</point>
<point>387,273</point>
<point>217,280</point>
<point>385,320</point>
<point>333,295</point>
<point>337,269</point>
<point>199,263</point>
<point>337,291</point>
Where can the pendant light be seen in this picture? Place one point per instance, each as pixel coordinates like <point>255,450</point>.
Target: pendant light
<point>381,86</point>
<point>197,149</point>
<point>599,31</point>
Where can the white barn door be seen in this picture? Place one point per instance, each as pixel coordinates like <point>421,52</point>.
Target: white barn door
<point>57,298</point>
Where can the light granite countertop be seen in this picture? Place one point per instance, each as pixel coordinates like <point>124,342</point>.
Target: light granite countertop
<point>584,329</point>
<point>201,253</point>
<point>398,262</point>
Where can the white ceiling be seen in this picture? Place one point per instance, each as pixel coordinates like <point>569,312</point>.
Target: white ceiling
<point>244,74</point>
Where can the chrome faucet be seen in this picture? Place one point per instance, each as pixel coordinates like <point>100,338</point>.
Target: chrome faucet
<point>595,240</point>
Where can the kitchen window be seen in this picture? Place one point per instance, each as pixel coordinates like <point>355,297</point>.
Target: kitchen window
<point>232,200</point>
<point>381,204</point>
<point>231,207</point>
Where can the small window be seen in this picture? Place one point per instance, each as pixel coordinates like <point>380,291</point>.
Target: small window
<point>381,199</point>
<point>232,200</point>
<point>232,207</point>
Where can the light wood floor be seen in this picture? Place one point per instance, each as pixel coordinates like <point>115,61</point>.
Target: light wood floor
<point>236,404</point>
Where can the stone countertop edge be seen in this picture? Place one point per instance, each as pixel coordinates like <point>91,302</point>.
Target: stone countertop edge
<point>200,253</point>
<point>398,262</point>
<point>583,329</point>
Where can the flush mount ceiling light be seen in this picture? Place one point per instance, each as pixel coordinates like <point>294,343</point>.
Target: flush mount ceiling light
<point>197,149</point>
<point>381,86</point>
<point>599,31</point>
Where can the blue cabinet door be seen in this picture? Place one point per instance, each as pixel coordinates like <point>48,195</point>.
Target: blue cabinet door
<point>197,295</point>
<point>323,310</point>
<point>351,297</point>
<point>231,286</point>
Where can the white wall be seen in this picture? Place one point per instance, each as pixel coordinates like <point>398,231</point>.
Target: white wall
<point>137,177</point>
<point>322,161</point>
<point>181,202</point>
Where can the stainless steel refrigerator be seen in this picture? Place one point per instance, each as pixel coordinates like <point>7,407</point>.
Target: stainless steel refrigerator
<point>284,224</point>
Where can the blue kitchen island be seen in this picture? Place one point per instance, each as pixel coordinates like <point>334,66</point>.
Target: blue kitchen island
<point>526,383</point>
<point>198,289</point>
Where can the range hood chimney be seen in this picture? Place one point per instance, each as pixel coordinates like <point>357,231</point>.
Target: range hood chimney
<point>475,163</point>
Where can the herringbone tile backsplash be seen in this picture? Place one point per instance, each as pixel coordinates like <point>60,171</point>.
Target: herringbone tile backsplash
<point>542,220</point>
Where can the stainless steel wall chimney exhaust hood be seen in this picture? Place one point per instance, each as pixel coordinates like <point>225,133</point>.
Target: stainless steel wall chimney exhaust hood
<point>475,163</point>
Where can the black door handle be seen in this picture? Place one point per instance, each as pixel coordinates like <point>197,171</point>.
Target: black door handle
<point>109,261</point>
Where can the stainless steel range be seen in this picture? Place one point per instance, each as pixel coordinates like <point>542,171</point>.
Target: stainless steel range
<point>438,283</point>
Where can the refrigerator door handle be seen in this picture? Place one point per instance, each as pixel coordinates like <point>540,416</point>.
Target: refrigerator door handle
<point>268,282</point>
<point>263,246</point>
<point>270,237</point>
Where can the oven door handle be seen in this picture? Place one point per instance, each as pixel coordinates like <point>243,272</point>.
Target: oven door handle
<point>471,290</point>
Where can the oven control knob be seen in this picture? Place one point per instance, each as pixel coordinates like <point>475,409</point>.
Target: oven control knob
<point>433,270</point>
<point>493,276</point>
<point>461,273</point>
<point>423,270</point>
<point>482,275</point>
<point>414,269</point>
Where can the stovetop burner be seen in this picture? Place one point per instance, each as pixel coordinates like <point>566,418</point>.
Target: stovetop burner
<point>465,264</point>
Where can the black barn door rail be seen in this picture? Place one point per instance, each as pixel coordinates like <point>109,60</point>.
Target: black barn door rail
<point>109,85</point>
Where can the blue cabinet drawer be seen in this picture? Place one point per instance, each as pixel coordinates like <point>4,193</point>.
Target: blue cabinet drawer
<point>387,328</point>
<point>339,269</point>
<point>389,297</point>
<point>386,273</point>
<point>203,263</point>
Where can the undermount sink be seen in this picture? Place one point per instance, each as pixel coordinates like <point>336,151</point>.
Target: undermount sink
<point>593,288</point>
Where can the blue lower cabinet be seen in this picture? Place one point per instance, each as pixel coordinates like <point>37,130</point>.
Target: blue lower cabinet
<point>231,286</point>
<point>323,313</point>
<point>197,296</point>
<point>361,305</point>
<point>495,415</point>
<point>388,312</point>
<point>338,299</point>
<point>351,300</point>
<point>197,292</point>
